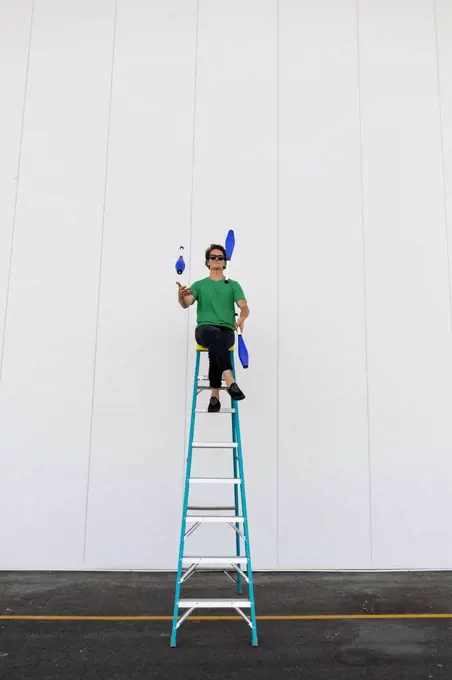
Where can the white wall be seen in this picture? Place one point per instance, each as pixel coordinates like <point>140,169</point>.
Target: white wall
<point>321,132</point>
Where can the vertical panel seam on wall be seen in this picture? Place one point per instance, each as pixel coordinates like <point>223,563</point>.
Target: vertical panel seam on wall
<point>188,344</point>
<point>277,281</point>
<point>443,162</point>
<point>99,285</point>
<point>19,161</point>
<point>363,232</point>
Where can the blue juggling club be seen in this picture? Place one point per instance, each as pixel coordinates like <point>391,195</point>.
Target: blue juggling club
<point>229,248</point>
<point>180,264</point>
<point>243,352</point>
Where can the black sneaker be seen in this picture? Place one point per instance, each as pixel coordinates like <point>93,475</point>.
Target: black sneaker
<point>214,405</point>
<point>235,392</point>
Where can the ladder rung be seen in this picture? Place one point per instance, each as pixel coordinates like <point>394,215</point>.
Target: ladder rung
<point>214,560</point>
<point>216,604</point>
<point>222,411</point>
<point>215,480</point>
<point>215,445</point>
<point>212,518</point>
<point>211,507</point>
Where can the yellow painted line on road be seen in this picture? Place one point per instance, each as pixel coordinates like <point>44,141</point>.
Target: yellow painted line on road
<point>280,617</point>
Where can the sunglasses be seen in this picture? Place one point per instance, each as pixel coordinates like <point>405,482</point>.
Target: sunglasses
<point>216,257</point>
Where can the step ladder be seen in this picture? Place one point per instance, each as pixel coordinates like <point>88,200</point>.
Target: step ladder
<point>240,563</point>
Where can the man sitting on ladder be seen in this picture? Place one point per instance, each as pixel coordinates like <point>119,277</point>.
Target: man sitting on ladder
<point>216,321</point>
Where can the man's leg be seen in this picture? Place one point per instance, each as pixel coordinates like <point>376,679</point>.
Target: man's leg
<point>205,336</point>
<point>214,375</point>
<point>211,337</point>
<point>228,340</point>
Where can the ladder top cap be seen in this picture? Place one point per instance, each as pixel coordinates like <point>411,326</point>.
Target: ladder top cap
<point>200,348</point>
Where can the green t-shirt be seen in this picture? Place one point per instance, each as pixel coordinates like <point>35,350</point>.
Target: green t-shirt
<point>216,301</point>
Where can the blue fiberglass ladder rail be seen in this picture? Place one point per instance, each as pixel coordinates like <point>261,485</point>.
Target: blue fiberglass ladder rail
<point>240,563</point>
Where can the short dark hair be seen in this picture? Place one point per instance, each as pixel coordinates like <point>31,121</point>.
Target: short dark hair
<point>214,246</point>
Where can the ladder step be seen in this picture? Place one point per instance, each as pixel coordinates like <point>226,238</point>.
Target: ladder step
<point>205,378</point>
<point>215,445</point>
<point>215,480</point>
<point>211,507</point>
<point>213,518</point>
<point>207,387</point>
<point>215,604</point>
<point>186,561</point>
<point>227,411</point>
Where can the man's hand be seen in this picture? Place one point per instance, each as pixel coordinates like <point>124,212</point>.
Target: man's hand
<point>185,296</point>
<point>240,323</point>
<point>183,291</point>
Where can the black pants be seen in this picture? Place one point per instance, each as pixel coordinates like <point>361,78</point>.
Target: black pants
<point>218,340</point>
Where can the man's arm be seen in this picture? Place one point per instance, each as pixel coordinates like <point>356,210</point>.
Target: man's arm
<point>185,296</point>
<point>244,313</point>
